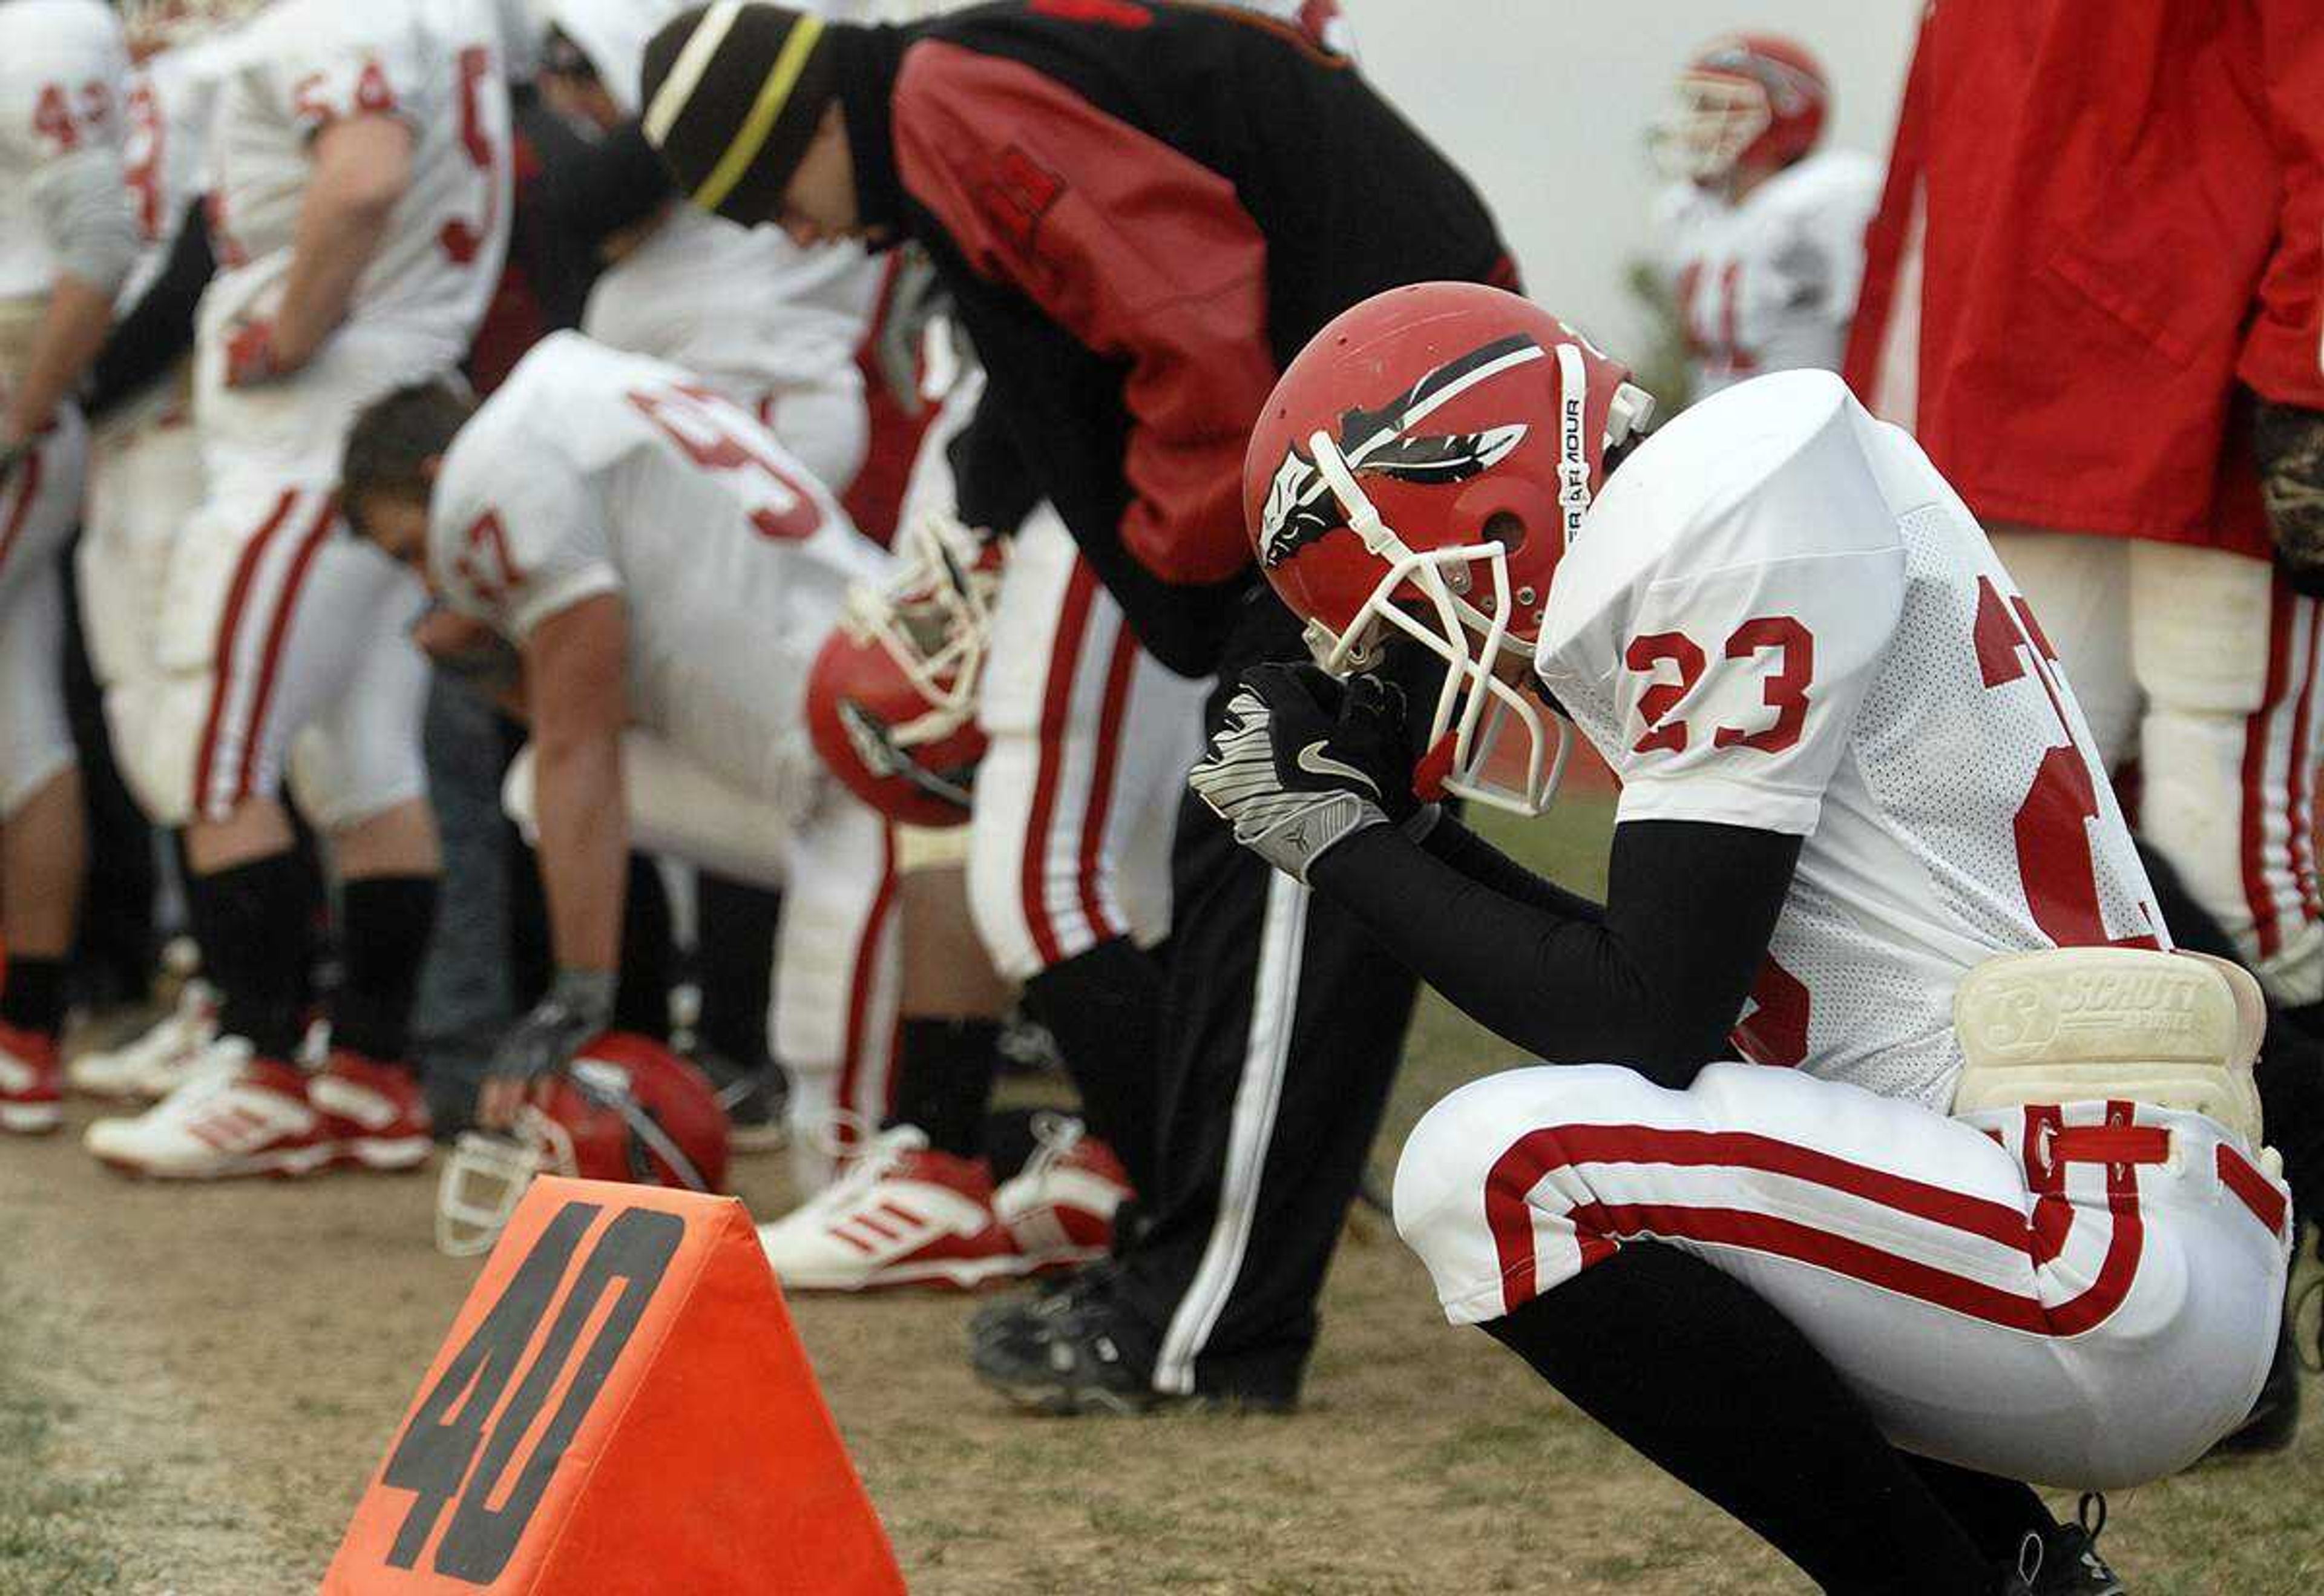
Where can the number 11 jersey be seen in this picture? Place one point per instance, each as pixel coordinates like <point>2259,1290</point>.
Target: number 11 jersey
<point>1778,616</point>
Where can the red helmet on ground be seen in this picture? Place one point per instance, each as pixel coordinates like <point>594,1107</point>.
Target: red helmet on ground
<point>892,698</point>
<point>627,1108</point>
<point>1421,468</point>
<point>1748,97</point>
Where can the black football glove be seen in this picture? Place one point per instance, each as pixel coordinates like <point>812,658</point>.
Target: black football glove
<point>2288,445</point>
<point>1306,762</point>
<point>577,1009</point>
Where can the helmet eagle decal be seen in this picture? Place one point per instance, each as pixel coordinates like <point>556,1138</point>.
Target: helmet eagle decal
<point>1300,504</point>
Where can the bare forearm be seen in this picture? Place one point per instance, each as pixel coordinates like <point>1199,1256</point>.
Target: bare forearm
<point>335,244</point>
<point>584,845</point>
<point>72,330</point>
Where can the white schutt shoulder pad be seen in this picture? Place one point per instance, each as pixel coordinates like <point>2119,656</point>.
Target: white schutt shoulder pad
<point>2179,1030</point>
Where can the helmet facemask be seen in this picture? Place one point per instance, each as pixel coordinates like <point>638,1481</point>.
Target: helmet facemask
<point>487,1176</point>
<point>1718,115</point>
<point>933,621</point>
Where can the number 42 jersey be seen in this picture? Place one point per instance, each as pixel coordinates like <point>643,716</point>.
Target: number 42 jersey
<point>591,471</point>
<point>1778,616</point>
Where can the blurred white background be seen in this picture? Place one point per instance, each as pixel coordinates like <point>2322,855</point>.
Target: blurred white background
<point>1545,104</point>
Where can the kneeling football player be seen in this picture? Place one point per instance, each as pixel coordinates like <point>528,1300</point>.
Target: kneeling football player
<point>666,570</point>
<point>1989,1202</point>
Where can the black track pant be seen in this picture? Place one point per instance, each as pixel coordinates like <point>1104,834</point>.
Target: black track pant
<point>1283,1029</point>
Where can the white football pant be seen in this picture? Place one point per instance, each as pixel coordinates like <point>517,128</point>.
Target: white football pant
<point>1091,739</point>
<point>2203,667</point>
<point>2083,1297</point>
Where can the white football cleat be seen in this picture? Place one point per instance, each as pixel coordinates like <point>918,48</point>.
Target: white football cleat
<point>28,1082</point>
<point>901,1213</point>
<point>148,1067</point>
<point>1059,1208</point>
<point>255,1120</point>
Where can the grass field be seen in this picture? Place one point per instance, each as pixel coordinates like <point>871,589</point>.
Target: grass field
<point>194,1385</point>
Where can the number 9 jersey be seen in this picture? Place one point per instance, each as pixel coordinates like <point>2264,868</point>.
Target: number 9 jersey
<point>435,65</point>
<point>1778,616</point>
<point>594,471</point>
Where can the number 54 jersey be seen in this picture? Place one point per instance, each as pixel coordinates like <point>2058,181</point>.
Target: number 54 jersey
<point>592,471</point>
<point>1778,616</point>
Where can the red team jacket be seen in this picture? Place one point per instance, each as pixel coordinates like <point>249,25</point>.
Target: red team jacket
<point>2123,213</point>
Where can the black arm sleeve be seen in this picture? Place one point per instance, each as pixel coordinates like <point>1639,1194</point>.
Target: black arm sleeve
<point>1488,866</point>
<point>160,327</point>
<point>1655,984</point>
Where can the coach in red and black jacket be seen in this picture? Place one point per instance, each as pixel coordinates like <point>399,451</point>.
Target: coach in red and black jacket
<point>1142,212</point>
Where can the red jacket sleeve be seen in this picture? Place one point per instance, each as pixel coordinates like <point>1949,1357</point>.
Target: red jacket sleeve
<point>2282,355</point>
<point>1141,254</point>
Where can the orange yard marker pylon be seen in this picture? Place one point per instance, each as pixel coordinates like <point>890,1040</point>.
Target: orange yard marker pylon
<point>621,1408</point>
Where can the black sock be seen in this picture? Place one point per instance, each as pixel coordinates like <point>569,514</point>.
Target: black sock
<point>1704,1378</point>
<point>253,924</point>
<point>1105,1011</point>
<point>649,954</point>
<point>943,1079</point>
<point>734,961</point>
<point>32,994</point>
<point>384,925</point>
<point>1997,1513</point>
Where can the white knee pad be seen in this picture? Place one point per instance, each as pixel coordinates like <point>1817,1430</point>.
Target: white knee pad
<point>1447,1168</point>
<point>35,737</point>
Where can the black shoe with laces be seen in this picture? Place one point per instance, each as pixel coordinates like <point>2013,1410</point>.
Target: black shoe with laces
<point>996,1317</point>
<point>2070,1564</point>
<point>1077,1351</point>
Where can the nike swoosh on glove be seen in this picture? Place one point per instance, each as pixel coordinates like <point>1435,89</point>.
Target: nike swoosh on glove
<point>1305,762</point>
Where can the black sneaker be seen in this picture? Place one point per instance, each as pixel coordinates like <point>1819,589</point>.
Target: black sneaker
<point>753,1100</point>
<point>992,1317</point>
<point>1064,1354</point>
<point>2071,1564</point>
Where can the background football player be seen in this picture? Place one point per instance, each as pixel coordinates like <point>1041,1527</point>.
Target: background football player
<point>1761,243</point>
<point>67,241</point>
<point>359,208</point>
<point>666,570</point>
<point>1932,1238</point>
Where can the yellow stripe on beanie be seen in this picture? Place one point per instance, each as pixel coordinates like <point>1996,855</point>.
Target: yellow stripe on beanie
<point>773,94</point>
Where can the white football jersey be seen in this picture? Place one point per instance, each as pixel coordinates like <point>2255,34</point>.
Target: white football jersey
<point>595,471</point>
<point>62,64</point>
<point>1778,616</point>
<point>1769,284</point>
<point>302,64</point>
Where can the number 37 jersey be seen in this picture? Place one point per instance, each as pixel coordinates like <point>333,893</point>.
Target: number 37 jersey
<point>591,471</point>
<point>1778,616</point>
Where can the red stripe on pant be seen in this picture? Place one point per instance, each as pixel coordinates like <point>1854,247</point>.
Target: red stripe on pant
<point>2302,821</point>
<point>277,633</point>
<point>28,488</point>
<point>1056,714</point>
<point>2257,729</point>
<point>1103,767</point>
<point>1598,1225</point>
<point>865,972</point>
<point>229,625</point>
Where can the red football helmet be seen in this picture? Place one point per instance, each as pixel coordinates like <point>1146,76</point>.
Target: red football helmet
<point>1422,466</point>
<point>892,699</point>
<point>1747,97</point>
<point>627,1108</point>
